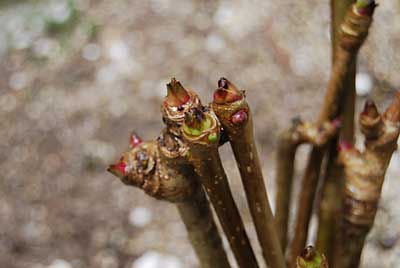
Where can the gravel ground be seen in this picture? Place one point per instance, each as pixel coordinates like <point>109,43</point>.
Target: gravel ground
<point>77,76</point>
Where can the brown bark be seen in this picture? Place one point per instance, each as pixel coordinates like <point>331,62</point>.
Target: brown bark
<point>330,190</point>
<point>364,178</point>
<point>161,172</point>
<point>203,142</point>
<point>354,31</point>
<point>289,140</point>
<point>237,122</point>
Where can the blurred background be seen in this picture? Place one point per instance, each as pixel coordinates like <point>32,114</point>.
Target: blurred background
<point>76,76</point>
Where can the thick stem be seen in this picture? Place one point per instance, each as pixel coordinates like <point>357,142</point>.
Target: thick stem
<point>236,120</point>
<point>202,230</point>
<point>203,139</point>
<point>364,178</point>
<point>354,31</point>
<point>161,173</point>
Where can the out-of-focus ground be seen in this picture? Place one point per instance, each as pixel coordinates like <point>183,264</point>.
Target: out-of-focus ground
<point>77,76</point>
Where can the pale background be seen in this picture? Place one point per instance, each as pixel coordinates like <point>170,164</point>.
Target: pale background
<point>77,76</point>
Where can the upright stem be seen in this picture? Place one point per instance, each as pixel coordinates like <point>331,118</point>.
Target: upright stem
<point>354,31</point>
<point>202,132</point>
<point>364,178</point>
<point>234,114</point>
<point>203,232</point>
<point>330,202</point>
<point>284,178</point>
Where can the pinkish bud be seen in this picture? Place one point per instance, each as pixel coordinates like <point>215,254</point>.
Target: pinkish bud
<point>337,122</point>
<point>118,169</point>
<point>239,117</point>
<point>227,92</point>
<point>177,95</point>
<point>134,140</point>
<point>344,145</point>
<point>370,109</point>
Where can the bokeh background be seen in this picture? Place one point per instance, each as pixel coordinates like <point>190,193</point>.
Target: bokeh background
<point>76,76</point>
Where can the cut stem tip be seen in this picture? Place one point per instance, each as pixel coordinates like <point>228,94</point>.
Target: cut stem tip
<point>226,92</point>
<point>177,95</point>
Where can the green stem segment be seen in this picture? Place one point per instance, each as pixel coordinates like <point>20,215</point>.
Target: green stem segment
<point>233,112</point>
<point>310,258</point>
<point>354,31</point>
<point>161,172</point>
<point>202,132</point>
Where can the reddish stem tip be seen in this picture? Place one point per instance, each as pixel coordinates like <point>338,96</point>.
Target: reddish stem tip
<point>370,109</point>
<point>177,95</point>
<point>226,92</point>
<point>239,117</point>
<point>118,169</point>
<point>344,145</point>
<point>134,140</point>
<point>337,122</point>
<point>365,7</point>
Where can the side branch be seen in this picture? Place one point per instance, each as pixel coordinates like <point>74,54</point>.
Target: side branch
<point>289,140</point>
<point>158,169</point>
<point>354,31</point>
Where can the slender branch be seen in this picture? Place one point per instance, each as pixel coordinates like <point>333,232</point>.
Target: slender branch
<point>202,132</point>
<point>233,111</point>
<point>354,31</point>
<point>289,140</point>
<point>364,177</point>
<point>332,183</point>
<point>310,258</point>
<point>158,170</point>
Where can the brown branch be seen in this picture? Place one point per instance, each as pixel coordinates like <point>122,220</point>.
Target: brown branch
<point>364,177</point>
<point>289,140</point>
<point>202,132</point>
<point>233,111</point>
<point>332,183</point>
<point>354,31</point>
<point>161,173</point>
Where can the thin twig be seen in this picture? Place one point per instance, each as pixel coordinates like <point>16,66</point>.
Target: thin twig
<point>300,133</point>
<point>332,183</point>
